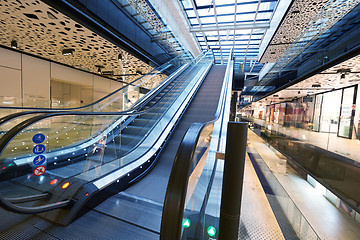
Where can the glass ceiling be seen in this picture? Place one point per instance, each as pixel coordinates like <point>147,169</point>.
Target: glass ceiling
<point>224,24</point>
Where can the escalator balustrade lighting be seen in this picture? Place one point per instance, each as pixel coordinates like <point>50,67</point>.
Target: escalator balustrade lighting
<point>186,223</point>
<point>211,231</point>
<point>65,185</point>
<point>54,181</point>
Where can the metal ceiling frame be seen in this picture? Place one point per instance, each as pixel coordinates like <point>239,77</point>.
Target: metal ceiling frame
<point>331,13</point>
<point>219,34</point>
<point>197,17</point>
<point>231,27</point>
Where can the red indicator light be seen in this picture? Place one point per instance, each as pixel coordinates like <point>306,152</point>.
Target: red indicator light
<point>65,185</point>
<point>86,194</point>
<point>53,181</point>
<point>4,168</point>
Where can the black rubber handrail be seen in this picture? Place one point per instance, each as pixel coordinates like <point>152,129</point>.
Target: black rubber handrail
<point>12,116</point>
<point>9,135</point>
<point>4,141</point>
<point>29,198</point>
<point>177,186</point>
<point>174,203</point>
<point>32,210</point>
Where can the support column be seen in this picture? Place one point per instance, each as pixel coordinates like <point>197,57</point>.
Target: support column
<point>233,180</point>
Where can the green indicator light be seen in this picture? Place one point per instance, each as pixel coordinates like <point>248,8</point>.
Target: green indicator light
<point>211,231</point>
<point>186,223</point>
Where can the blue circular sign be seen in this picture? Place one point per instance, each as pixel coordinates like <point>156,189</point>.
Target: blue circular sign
<point>38,138</point>
<point>39,160</point>
<point>39,149</point>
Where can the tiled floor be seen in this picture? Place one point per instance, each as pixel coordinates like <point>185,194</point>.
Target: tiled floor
<point>257,221</point>
<point>327,221</point>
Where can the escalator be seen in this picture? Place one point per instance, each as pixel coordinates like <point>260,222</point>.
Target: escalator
<point>112,158</point>
<point>150,191</point>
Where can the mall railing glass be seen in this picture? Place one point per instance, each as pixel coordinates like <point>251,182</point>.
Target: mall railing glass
<point>120,100</point>
<point>68,157</point>
<point>295,217</point>
<point>192,206</point>
<point>319,133</point>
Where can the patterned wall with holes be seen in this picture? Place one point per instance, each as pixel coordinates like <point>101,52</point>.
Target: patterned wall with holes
<point>43,31</point>
<point>342,75</point>
<point>297,18</point>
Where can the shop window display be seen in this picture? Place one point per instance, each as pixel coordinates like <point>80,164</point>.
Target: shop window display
<point>330,111</point>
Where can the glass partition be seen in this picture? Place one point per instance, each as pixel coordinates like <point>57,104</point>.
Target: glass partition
<point>83,147</point>
<point>120,100</point>
<point>321,134</point>
<point>300,224</point>
<point>200,173</point>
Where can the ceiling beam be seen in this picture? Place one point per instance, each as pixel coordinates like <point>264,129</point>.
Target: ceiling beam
<point>231,27</point>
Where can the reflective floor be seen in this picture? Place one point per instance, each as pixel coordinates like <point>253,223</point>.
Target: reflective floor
<point>257,220</point>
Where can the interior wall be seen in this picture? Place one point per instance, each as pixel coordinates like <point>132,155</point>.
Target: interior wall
<point>10,73</point>
<point>33,81</point>
<point>69,94</point>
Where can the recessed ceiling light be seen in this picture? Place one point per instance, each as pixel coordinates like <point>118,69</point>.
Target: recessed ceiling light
<point>13,44</point>
<point>68,51</point>
<point>99,67</point>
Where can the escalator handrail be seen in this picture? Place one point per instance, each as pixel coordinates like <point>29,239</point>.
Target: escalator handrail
<point>4,141</point>
<point>19,127</point>
<point>99,100</point>
<point>32,210</point>
<point>137,105</point>
<point>9,135</point>
<point>29,198</point>
<point>175,196</point>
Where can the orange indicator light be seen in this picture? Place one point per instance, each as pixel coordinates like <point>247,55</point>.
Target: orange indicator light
<point>65,185</point>
<point>86,194</point>
<point>53,181</point>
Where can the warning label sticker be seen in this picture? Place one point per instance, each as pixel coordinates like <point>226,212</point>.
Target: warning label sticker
<point>40,170</point>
